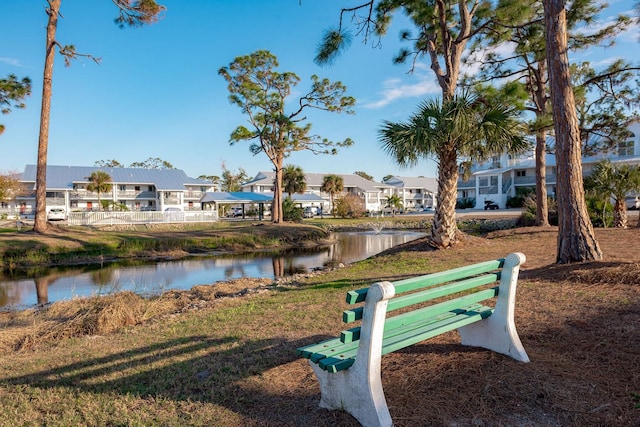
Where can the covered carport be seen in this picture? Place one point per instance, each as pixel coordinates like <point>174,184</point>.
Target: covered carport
<point>214,200</point>
<point>309,199</point>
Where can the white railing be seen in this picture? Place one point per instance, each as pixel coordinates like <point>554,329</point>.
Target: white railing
<point>113,218</point>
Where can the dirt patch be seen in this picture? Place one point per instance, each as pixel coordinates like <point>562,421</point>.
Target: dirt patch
<point>579,323</point>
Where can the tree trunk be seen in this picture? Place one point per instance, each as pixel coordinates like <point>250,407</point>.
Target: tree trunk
<point>276,211</point>
<point>620,214</point>
<point>40,223</point>
<point>539,92</point>
<point>444,229</point>
<point>576,239</point>
<point>542,204</point>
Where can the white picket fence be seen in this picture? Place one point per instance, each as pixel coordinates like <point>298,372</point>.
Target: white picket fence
<point>113,218</point>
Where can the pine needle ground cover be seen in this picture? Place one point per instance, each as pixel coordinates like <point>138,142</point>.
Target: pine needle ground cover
<point>224,354</point>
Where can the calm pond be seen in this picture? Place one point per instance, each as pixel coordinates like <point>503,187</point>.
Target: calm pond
<point>147,278</point>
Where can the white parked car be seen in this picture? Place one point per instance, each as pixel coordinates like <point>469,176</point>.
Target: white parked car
<point>56,214</point>
<point>234,212</point>
<point>310,212</point>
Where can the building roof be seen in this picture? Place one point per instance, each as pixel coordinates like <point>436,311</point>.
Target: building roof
<point>430,184</point>
<point>63,177</point>
<point>235,197</point>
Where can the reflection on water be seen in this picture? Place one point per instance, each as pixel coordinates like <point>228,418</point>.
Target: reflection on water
<point>153,278</point>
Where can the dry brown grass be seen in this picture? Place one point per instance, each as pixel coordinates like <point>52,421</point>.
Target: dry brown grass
<point>580,325</point>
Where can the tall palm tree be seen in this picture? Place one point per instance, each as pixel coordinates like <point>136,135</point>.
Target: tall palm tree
<point>293,180</point>
<point>100,182</point>
<point>449,130</point>
<point>332,184</point>
<point>611,181</point>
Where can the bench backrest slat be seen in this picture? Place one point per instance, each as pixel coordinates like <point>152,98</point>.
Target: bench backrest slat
<point>428,294</point>
<point>463,303</point>
<point>433,293</point>
<point>414,283</point>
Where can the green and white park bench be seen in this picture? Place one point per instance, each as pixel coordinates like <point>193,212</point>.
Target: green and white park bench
<point>478,300</point>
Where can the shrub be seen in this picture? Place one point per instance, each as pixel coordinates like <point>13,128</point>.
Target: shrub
<point>522,193</point>
<point>350,205</point>
<point>600,212</point>
<point>528,217</point>
<point>291,212</point>
<point>466,203</point>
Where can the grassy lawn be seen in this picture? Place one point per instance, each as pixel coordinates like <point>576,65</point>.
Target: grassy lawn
<point>202,357</point>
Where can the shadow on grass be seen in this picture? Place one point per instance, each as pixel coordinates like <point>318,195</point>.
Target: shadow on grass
<point>198,368</point>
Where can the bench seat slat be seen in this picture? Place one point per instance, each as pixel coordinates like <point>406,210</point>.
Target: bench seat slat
<point>411,284</point>
<point>429,294</point>
<point>333,346</point>
<point>353,334</point>
<point>319,348</point>
<point>407,337</point>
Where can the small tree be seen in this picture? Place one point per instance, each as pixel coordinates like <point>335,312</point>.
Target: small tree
<point>100,182</point>
<point>332,184</point>
<point>111,163</point>
<point>364,175</point>
<point>394,202</point>
<point>349,205</point>
<point>232,181</point>
<point>152,163</point>
<point>12,92</point>
<point>609,181</point>
<point>9,186</point>
<point>261,92</point>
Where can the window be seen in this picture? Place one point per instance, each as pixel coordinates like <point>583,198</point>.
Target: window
<point>521,173</point>
<point>137,188</point>
<point>483,182</point>
<point>626,148</point>
<point>150,188</point>
<point>122,187</point>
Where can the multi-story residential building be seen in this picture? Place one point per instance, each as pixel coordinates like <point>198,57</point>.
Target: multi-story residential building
<point>415,192</point>
<point>133,189</point>
<point>372,193</point>
<point>499,178</point>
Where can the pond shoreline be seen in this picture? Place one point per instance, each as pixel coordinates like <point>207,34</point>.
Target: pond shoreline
<point>77,246</point>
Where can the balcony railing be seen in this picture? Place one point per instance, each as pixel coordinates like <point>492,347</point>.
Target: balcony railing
<point>120,195</point>
<point>193,194</point>
<point>489,190</point>
<point>467,184</point>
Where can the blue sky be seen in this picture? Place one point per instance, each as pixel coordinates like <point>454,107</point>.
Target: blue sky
<point>157,93</point>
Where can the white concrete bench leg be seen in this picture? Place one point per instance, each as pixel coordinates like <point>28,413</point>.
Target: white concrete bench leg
<point>347,390</point>
<point>358,390</point>
<point>498,331</point>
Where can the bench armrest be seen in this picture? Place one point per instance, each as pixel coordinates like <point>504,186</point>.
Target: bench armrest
<point>372,329</point>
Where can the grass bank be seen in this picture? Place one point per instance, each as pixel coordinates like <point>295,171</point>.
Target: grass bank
<point>200,357</point>
<point>83,245</point>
